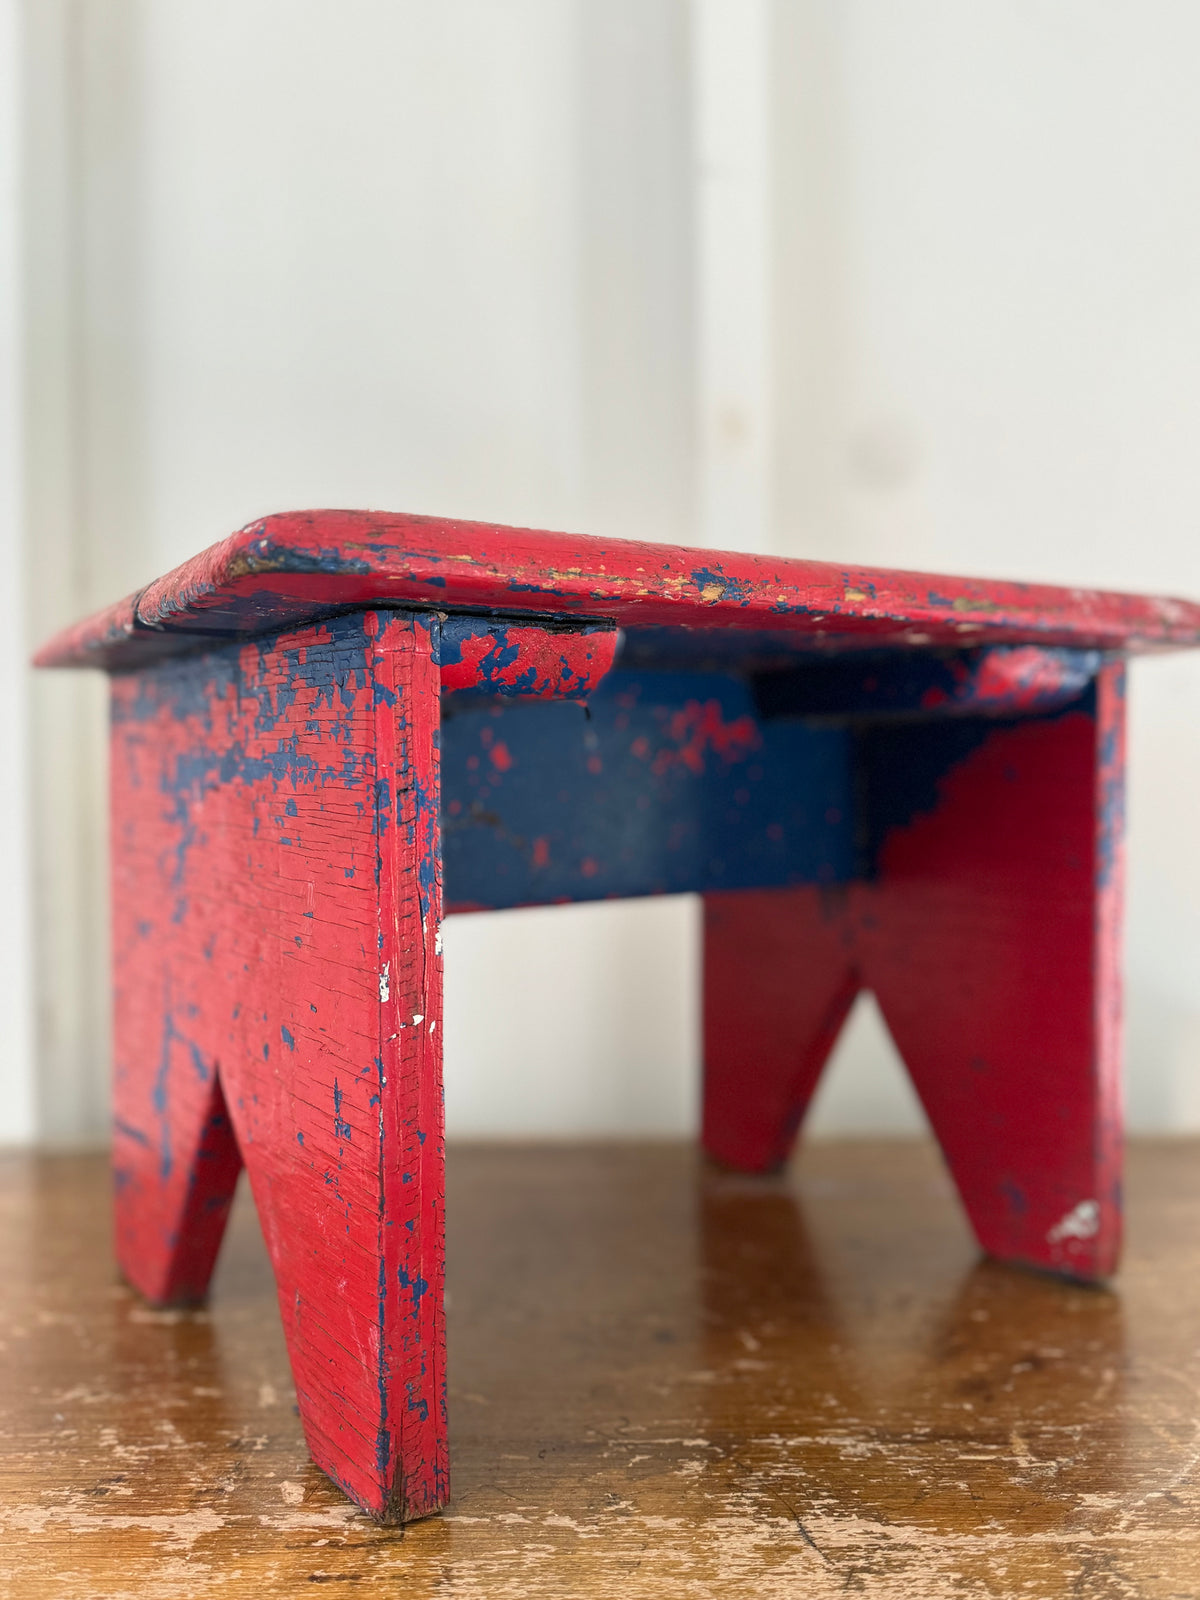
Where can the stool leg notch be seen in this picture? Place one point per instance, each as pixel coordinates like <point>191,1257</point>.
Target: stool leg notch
<point>172,1203</point>
<point>779,980</point>
<point>989,933</point>
<point>278,870</point>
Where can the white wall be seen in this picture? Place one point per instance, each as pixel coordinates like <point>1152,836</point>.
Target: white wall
<point>389,254</point>
<point>996,212</point>
<point>549,261</point>
<point>16,1009</point>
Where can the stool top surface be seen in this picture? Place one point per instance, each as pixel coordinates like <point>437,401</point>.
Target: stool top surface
<point>287,570</point>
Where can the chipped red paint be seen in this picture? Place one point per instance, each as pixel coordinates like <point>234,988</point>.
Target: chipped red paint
<point>524,662</point>
<point>277,901</point>
<point>990,937</point>
<point>289,568</point>
<point>1024,679</point>
<point>699,729</point>
<point>878,779</point>
<point>1002,681</point>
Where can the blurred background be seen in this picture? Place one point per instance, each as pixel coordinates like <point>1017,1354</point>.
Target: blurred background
<point>915,285</point>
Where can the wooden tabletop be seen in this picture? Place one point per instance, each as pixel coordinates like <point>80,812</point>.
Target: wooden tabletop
<point>663,1382</point>
<point>290,569</point>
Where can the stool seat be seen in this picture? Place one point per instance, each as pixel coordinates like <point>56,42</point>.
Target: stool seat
<point>334,728</point>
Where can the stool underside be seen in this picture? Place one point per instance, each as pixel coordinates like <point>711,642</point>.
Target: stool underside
<point>671,782</point>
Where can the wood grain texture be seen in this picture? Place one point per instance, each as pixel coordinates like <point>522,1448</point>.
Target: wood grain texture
<point>290,569</point>
<point>665,1384</point>
<point>986,920</point>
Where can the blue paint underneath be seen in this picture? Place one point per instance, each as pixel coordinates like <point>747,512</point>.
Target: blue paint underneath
<point>545,803</point>
<point>712,584</point>
<point>341,1127</point>
<point>416,1286</point>
<point>915,685</point>
<point>192,686</point>
<point>667,783</point>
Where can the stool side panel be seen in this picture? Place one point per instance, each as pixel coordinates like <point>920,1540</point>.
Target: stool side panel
<point>280,804</point>
<point>995,960</point>
<point>986,919</point>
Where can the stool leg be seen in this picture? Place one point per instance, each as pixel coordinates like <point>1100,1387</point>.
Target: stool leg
<point>276,807</point>
<point>779,978</point>
<point>174,1158</point>
<point>994,954</point>
<point>174,1180</point>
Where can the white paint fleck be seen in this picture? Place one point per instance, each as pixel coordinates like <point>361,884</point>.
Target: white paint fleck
<point>155,1318</point>
<point>1081,1222</point>
<point>418,1016</point>
<point>292,1493</point>
<point>385,981</point>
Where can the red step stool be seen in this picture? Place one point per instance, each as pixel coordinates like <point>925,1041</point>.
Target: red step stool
<point>336,726</point>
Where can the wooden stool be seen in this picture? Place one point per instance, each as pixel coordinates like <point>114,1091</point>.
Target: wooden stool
<point>875,779</point>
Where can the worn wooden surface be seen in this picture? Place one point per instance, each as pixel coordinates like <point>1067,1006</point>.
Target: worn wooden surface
<point>662,1383</point>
